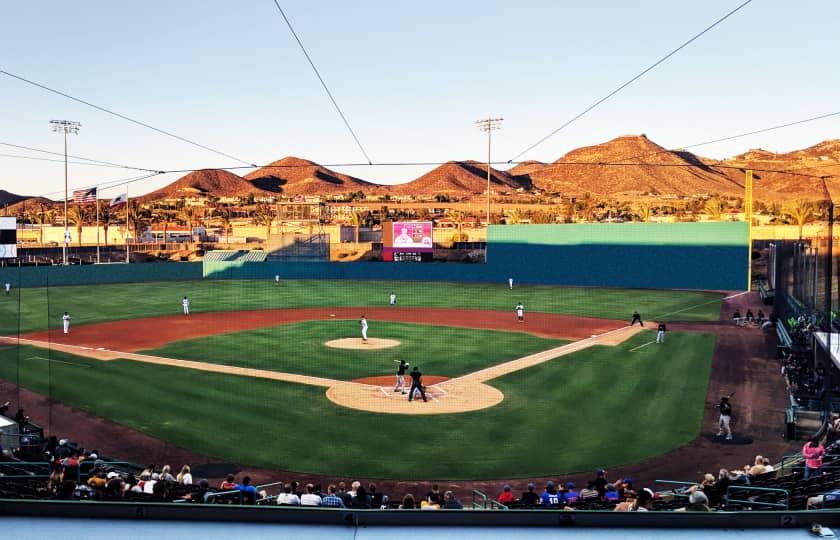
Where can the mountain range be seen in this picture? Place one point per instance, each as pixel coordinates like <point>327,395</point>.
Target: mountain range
<point>625,167</point>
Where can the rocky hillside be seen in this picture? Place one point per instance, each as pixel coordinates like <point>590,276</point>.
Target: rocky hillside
<point>459,178</point>
<point>294,176</point>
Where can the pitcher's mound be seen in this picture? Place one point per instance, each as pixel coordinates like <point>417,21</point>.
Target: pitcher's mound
<point>357,343</point>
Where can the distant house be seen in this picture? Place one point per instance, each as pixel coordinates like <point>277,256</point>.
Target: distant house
<point>177,233</point>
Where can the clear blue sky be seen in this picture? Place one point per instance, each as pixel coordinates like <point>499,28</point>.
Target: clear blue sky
<point>412,78</point>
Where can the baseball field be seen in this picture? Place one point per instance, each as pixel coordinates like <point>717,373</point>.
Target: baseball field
<point>277,376</point>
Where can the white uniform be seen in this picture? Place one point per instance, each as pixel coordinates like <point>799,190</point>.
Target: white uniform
<point>393,299</point>
<point>66,320</point>
<point>277,278</point>
<point>510,282</point>
<point>8,287</point>
<point>186,303</point>
<point>364,324</point>
<point>520,312</point>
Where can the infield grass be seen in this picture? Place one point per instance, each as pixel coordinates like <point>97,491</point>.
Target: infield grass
<point>299,348</point>
<point>603,406</point>
<point>41,308</point>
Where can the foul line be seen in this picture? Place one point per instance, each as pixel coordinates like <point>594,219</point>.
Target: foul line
<point>57,361</point>
<point>642,345</point>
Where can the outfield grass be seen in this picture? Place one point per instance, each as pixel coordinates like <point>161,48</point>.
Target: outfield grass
<point>604,406</point>
<point>299,348</point>
<point>41,308</point>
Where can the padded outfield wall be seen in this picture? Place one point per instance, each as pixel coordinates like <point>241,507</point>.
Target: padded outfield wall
<point>702,256</point>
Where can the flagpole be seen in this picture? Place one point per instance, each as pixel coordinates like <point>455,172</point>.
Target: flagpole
<point>96,202</point>
<point>126,223</point>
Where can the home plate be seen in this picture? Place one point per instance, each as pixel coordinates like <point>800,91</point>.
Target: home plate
<point>100,348</point>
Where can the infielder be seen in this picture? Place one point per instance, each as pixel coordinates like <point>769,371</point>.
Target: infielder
<point>510,282</point>
<point>520,312</point>
<point>186,304</point>
<point>66,320</point>
<point>401,376</point>
<point>660,333</point>
<point>725,416</point>
<point>393,299</point>
<point>364,325</point>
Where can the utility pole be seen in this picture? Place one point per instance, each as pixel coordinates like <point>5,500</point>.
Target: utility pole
<point>65,126</point>
<point>489,125</point>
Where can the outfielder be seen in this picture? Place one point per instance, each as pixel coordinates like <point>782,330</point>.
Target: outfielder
<point>520,312</point>
<point>510,282</point>
<point>401,376</point>
<point>8,287</point>
<point>277,279</point>
<point>393,299</point>
<point>66,320</point>
<point>186,304</point>
<point>364,325</point>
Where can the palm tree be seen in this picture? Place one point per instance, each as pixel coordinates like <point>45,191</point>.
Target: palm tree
<point>714,208</point>
<point>357,218</point>
<point>165,218</point>
<point>77,214</point>
<point>42,215</point>
<point>263,215</point>
<point>223,215</point>
<point>457,217</point>
<point>514,217</point>
<point>645,211</point>
<point>135,218</point>
<point>801,212</point>
<point>106,217</point>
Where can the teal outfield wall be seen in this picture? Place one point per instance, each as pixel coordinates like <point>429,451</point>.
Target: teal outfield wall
<point>89,274</point>
<point>703,256</point>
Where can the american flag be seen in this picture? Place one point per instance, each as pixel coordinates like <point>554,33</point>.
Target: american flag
<point>84,196</point>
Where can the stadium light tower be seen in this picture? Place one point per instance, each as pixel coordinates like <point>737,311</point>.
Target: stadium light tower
<point>65,126</point>
<point>489,125</point>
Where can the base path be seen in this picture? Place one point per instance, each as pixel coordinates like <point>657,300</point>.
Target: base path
<point>152,333</point>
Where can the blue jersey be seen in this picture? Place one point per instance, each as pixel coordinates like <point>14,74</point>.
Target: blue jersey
<point>552,499</point>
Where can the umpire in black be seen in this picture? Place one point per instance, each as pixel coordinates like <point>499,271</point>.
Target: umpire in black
<point>416,384</point>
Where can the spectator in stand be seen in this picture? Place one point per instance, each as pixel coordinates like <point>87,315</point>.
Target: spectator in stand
<point>757,468</point>
<point>434,496</point>
<point>287,497</point>
<point>643,502</point>
<point>624,487</point>
<point>228,483</point>
<point>768,467</point>
<point>331,499</point>
<point>697,502</point>
<point>610,494</point>
<point>813,452</point>
<point>530,498</point>
<point>571,495</point>
<point>310,498</point>
<point>506,496</point>
<point>589,493</point>
<point>601,482</point>
<point>56,477</point>
<point>66,491</point>
<point>97,479</point>
<point>115,488</point>
<point>246,486</point>
<point>550,497</point>
<point>166,475</point>
<point>408,502</point>
<point>200,495</point>
<point>296,488</point>
<point>63,449</point>
<point>160,492</point>
<point>184,477</point>
<point>450,502</point>
<point>375,496</point>
<point>354,487</point>
<point>362,499</point>
<point>21,418</point>
<point>343,494</point>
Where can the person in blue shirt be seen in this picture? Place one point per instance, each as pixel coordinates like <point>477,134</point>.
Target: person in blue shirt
<point>551,498</point>
<point>571,493</point>
<point>610,495</point>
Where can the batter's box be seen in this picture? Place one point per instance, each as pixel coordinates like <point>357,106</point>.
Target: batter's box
<point>433,392</point>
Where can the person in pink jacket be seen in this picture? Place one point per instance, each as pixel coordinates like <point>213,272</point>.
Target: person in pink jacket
<point>813,452</point>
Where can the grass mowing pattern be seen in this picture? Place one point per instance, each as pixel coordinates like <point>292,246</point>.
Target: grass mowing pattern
<point>42,308</point>
<point>604,406</point>
<point>299,348</point>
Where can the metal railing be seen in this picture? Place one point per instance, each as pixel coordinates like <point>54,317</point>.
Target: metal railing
<point>479,500</point>
<point>658,483</point>
<point>25,464</point>
<point>730,500</point>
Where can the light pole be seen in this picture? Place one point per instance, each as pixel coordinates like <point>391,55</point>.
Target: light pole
<point>489,125</point>
<point>65,126</point>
